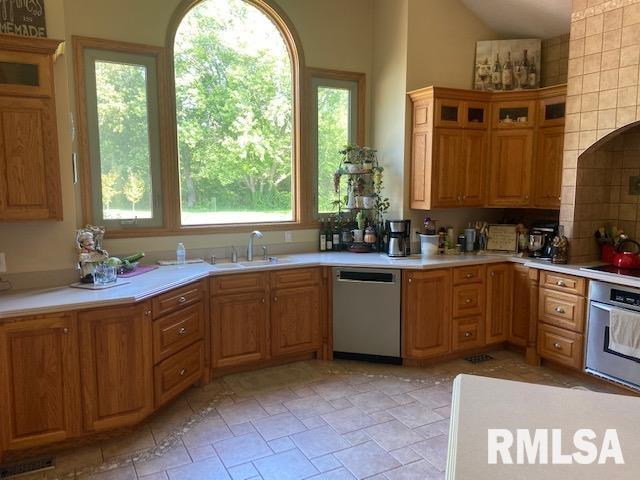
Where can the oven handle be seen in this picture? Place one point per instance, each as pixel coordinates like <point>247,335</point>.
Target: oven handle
<point>601,306</point>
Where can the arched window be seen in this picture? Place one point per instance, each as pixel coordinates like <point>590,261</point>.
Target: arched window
<point>236,74</point>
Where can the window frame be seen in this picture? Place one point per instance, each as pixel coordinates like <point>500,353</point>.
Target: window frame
<point>161,186</point>
<point>319,77</point>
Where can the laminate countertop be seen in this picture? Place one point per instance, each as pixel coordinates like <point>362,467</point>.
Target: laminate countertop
<point>162,279</point>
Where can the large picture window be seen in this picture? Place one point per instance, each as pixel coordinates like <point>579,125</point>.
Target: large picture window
<point>235,116</point>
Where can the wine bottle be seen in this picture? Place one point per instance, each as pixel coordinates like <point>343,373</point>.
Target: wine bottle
<point>323,238</point>
<point>507,73</point>
<point>329,236</point>
<point>335,240</point>
<point>496,75</point>
<point>532,74</point>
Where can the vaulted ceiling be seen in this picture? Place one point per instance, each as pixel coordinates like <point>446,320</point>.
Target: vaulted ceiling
<point>524,18</point>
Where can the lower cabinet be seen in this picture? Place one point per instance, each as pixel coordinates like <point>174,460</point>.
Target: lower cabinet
<point>521,313</point>
<point>116,366</point>
<point>426,315</point>
<point>499,303</point>
<point>239,328</point>
<point>295,320</point>
<point>39,381</point>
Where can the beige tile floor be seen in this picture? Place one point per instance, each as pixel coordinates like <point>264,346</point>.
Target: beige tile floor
<point>321,420</point>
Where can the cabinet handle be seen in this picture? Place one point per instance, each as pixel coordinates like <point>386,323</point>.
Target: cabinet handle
<point>147,313</point>
<point>464,197</point>
<point>263,300</point>
<point>469,275</point>
<point>65,330</point>
<point>182,331</point>
<point>559,310</point>
<point>560,283</point>
<point>410,280</point>
<point>557,346</point>
<point>526,197</point>
<point>183,372</point>
<point>493,274</point>
<point>182,300</point>
<point>467,300</point>
<point>275,299</point>
<point>467,334</point>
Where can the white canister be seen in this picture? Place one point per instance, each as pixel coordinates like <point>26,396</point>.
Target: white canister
<point>429,245</point>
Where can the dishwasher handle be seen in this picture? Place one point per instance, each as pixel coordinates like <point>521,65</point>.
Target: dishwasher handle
<point>350,276</point>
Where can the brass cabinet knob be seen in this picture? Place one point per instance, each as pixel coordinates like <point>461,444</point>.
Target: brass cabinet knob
<point>469,275</point>
<point>467,334</point>
<point>65,330</point>
<point>182,331</point>
<point>467,300</point>
<point>147,313</point>
<point>560,283</point>
<point>182,300</point>
<point>557,346</point>
<point>559,310</point>
<point>183,372</point>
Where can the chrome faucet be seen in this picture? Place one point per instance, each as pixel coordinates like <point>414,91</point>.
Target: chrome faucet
<point>252,235</point>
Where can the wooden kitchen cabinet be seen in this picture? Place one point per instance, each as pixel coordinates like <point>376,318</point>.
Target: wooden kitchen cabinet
<point>495,149</point>
<point>29,161</point>
<point>426,314</point>
<point>510,167</point>
<point>547,177</point>
<point>295,320</point>
<point>499,304</point>
<point>39,381</point>
<point>239,328</point>
<point>521,312</point>
<point>116,366</point>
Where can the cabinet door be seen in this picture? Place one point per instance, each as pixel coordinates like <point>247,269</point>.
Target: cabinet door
<point>39,382</point>
<point>548,167</point>
<point>29,163</point>
<point>239,328</point>
<point>447,168</point>
<point>426,314</point>
<point>498,303</point>
<point>117,366</point>
<point>473,163</point>
<point>295,320</point>
<point>519,329</point>
<point>449,113</point>
<point>510,167</point>
<point>421,156</point>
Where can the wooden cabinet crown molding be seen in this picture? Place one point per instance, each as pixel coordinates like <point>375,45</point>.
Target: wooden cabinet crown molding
<point>46,46</point>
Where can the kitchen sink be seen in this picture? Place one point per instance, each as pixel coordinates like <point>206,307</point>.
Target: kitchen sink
<point>262,263</point>
<point>228,266</point>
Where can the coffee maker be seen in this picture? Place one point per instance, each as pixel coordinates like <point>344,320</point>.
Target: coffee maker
<point>398,237</point>
<point>541,240</point>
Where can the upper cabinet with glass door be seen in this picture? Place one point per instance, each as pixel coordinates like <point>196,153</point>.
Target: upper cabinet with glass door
<point>452,113</point>
<point>29,161</point>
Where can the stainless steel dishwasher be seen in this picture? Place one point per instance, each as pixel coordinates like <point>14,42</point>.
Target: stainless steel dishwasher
<point>366,314</point>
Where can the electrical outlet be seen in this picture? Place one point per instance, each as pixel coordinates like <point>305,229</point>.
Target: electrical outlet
<point>288,237</point>
<point>3,263</point>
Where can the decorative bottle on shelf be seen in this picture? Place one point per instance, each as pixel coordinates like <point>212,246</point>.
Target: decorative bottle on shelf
<point>335,236</point>
<point>329,236</point>
<point>507,73</point>
<point>323,238</point>
<point>496,75</point>
<point>532,73</point>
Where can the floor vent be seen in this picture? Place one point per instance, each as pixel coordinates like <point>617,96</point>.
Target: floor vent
<point>18,469</point>
<point>479,358</point>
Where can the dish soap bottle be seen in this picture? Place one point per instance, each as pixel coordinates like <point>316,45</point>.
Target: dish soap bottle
<point>181,254</point>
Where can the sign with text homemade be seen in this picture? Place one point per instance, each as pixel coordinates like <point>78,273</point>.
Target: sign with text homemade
<point>23,17</point>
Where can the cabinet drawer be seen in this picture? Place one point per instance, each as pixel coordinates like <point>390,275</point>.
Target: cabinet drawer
<point>295,278</point>
<point>560,345</point>
<point>472,274</point>
<point>563,283</point>
<point>177,330</point>
<point>246,282</point>
<point>176,299</point>
<point>468,333</point>
<point>468,300</point>
<point>178,372</point>
<point>562,309</point>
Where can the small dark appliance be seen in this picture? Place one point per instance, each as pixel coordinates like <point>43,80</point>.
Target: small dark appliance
<point>398,238</point>
<point>541,240</point>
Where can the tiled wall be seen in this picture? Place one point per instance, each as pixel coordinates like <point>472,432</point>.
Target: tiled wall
<point>555,56</point>
<point>602,96</point>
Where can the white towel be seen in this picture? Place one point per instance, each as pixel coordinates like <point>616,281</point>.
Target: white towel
<point>624,332</point>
